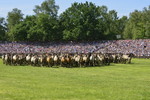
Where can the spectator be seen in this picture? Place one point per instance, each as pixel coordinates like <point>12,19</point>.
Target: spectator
<point>139,48</point>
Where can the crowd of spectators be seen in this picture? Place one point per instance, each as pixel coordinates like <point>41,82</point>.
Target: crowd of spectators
<point>138,47</point>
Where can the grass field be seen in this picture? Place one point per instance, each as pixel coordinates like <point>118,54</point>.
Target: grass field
<point>114,82</point>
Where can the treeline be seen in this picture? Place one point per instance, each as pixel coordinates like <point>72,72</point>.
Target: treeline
<point>81,21</point>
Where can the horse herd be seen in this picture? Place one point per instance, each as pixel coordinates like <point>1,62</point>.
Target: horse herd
<point>65,60</point>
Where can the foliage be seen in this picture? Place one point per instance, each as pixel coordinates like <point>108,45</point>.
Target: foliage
<point>138,26</point>
<point>3,29</point>
<point>14,18</point>
<point>82,21</point>
<point>86,21</point>
<point>44,29</point>
<point>40,27</point>
<point>47,7</point>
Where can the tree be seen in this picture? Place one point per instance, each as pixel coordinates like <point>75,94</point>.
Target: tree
<point>46,26</point>
<point>2,28</point>
<point>47,7</point>
<point>138,25</point>
<point>81,22</point>
<point>19,32</point>
<point>121,24</point>
<point>146,20</point>
<point>42,28</point>
<point>14,17</point>
<point>111,24</point>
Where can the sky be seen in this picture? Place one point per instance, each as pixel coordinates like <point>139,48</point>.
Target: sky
<point>123,7</point>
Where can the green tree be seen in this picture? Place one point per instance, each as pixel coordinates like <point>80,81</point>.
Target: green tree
<point>20,31</point>
<point>49,27</point>
<point>81,22</point>
<point>127,34</point>
<point>121,25</point>
<point>111,24</point>
<point>42,28</point>
<point>2,29</point>
<point>146,20</point>
<point>14,17</point>
<point>47,7</point>
<point>138,25</point>
<point>46,26</point>
<point>133,27</point>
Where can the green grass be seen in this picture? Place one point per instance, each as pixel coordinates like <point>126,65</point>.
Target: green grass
<point>114,82</point>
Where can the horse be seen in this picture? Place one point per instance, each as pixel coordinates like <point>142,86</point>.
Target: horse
<point>34,60</point>
<point>28,59</point>
<point>126,58</point>
<point>7,59</point>
<point>56,60</point>
<point>91,60</point>
<point>85,59</point>
<point>42,60</point>
<point>49,60</point>
<point>78,60</point>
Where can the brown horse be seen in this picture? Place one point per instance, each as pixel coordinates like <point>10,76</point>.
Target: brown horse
<point>49,60</point>
<point>42,60</point>
<point>65,60</point>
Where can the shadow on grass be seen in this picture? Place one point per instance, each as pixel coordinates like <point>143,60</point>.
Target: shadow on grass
<point>111,64</point>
